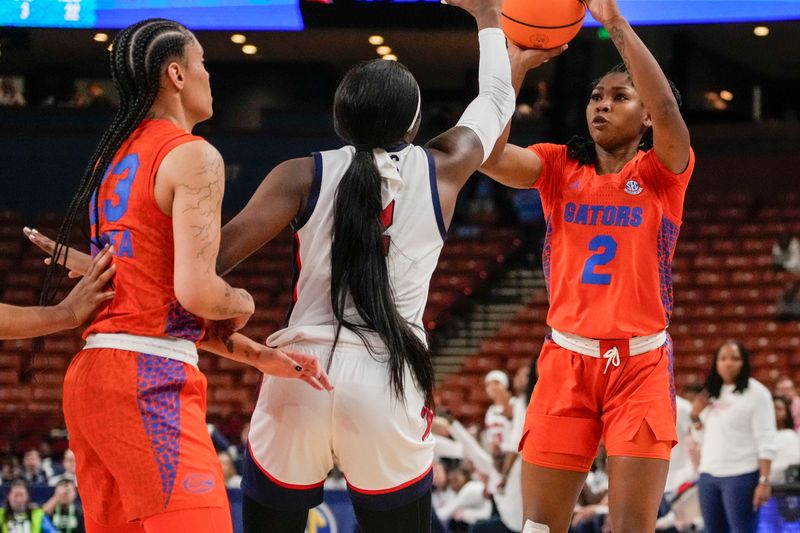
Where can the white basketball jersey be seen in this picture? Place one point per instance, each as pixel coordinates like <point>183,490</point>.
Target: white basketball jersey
<point>415,231</point>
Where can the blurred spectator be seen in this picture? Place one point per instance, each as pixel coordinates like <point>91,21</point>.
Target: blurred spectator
<point>220,441</point>
<point>496,420</point>
<point>469,503</point>
<point>63,508</point>
<point>9,470</point>
<point>18,515</point>
<point>592,508</point>
<point>787,441</point>
<point>68,465</point>
<point>785,388</point>
<point>786,253</point>
<point>232,479</point>
<point>32,470</point>
<point>735,422</point>
<point>684,513</point>
<point>51,468</point>
<point>788,305</point>
<point>10,94</point>
<point>681,468</point>
<point>242,447</point>
<point>441,494</point>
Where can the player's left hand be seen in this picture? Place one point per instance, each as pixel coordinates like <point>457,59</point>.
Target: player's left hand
<point>292,364</point>
<point>762,494</point>
<point>77,262</point>
<point>91,291</point>
<point>605,12</point>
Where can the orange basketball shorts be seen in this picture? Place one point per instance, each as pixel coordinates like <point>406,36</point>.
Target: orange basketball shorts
<point>577,401</point>
<point>136,423</point>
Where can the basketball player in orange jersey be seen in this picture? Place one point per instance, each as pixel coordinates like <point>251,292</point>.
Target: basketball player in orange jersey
<point>134,399</point>
<point>613,214</point>
<point>23,322</point>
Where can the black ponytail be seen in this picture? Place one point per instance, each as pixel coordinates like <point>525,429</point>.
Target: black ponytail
<point>583,150</point>
<point>374,107</point>
<point>138,55</point>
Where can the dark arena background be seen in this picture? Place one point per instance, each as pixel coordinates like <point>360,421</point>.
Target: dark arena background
<point>274,67</point>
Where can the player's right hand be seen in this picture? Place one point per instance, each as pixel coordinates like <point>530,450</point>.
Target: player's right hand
<point>297,365</point>
<point>89,292</point>
<point>77,262</point>
<point>524,60</point>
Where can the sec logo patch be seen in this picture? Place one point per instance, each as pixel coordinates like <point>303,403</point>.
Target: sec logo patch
<point>633,187</point>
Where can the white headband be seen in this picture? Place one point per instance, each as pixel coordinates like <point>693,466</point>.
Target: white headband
<point>416,115</point>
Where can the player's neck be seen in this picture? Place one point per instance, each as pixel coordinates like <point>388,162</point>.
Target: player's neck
<point>611,161</point>
<point>175,114</point>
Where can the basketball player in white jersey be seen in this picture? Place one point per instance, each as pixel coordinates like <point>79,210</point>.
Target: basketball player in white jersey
<point>369,221</point>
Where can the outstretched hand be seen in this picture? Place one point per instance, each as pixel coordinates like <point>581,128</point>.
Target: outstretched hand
<point>604,11</point>
<point>291,364</point>
<point>532,58</point>
<point>523,60</point>
<point>77,262</point>
<point>89,292</point>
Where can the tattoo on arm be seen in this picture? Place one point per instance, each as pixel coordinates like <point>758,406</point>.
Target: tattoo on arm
<point>206,201</point>
<point>618,39</point>
<point>233,302</point>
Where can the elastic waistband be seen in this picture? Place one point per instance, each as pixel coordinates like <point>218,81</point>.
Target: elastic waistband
<point>591,347</point>
<point>168,347</point>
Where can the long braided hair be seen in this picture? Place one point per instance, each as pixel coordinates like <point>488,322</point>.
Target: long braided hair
<point>583,150</point>
<point>373,107</point>
<point>138,56</point>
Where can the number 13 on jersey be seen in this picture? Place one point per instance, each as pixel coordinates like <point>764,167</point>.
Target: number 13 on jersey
<point>606,248</point>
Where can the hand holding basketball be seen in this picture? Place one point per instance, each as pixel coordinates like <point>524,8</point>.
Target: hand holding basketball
<point>524,60</point>
<point>604,11</point>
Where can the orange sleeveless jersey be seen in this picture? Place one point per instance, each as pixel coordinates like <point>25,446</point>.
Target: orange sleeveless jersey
<point>609,243</point>
<point>141,233</point>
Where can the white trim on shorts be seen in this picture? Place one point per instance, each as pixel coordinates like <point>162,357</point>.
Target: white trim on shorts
<point>169,347</point>
<point>591,347</point>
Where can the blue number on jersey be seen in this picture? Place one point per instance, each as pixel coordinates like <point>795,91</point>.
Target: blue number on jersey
<point>609,246</point>
<point>129,163</point>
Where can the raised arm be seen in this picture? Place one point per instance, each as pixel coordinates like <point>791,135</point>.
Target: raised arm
<point>194,175</point>
<point>670,134</point>
<point>509,164</point>
<point>459,151</point>
<point>279,199</point>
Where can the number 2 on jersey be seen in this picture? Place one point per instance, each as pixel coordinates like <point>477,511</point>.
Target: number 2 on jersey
<point>609,251</point>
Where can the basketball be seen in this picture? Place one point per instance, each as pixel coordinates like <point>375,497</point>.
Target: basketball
<point>542,23</point>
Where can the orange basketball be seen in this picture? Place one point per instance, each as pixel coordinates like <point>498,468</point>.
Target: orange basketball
<point>542,23</point>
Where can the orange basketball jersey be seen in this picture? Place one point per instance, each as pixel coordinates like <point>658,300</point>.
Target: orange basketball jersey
<point>141,233</point>
<point>609,244</point>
